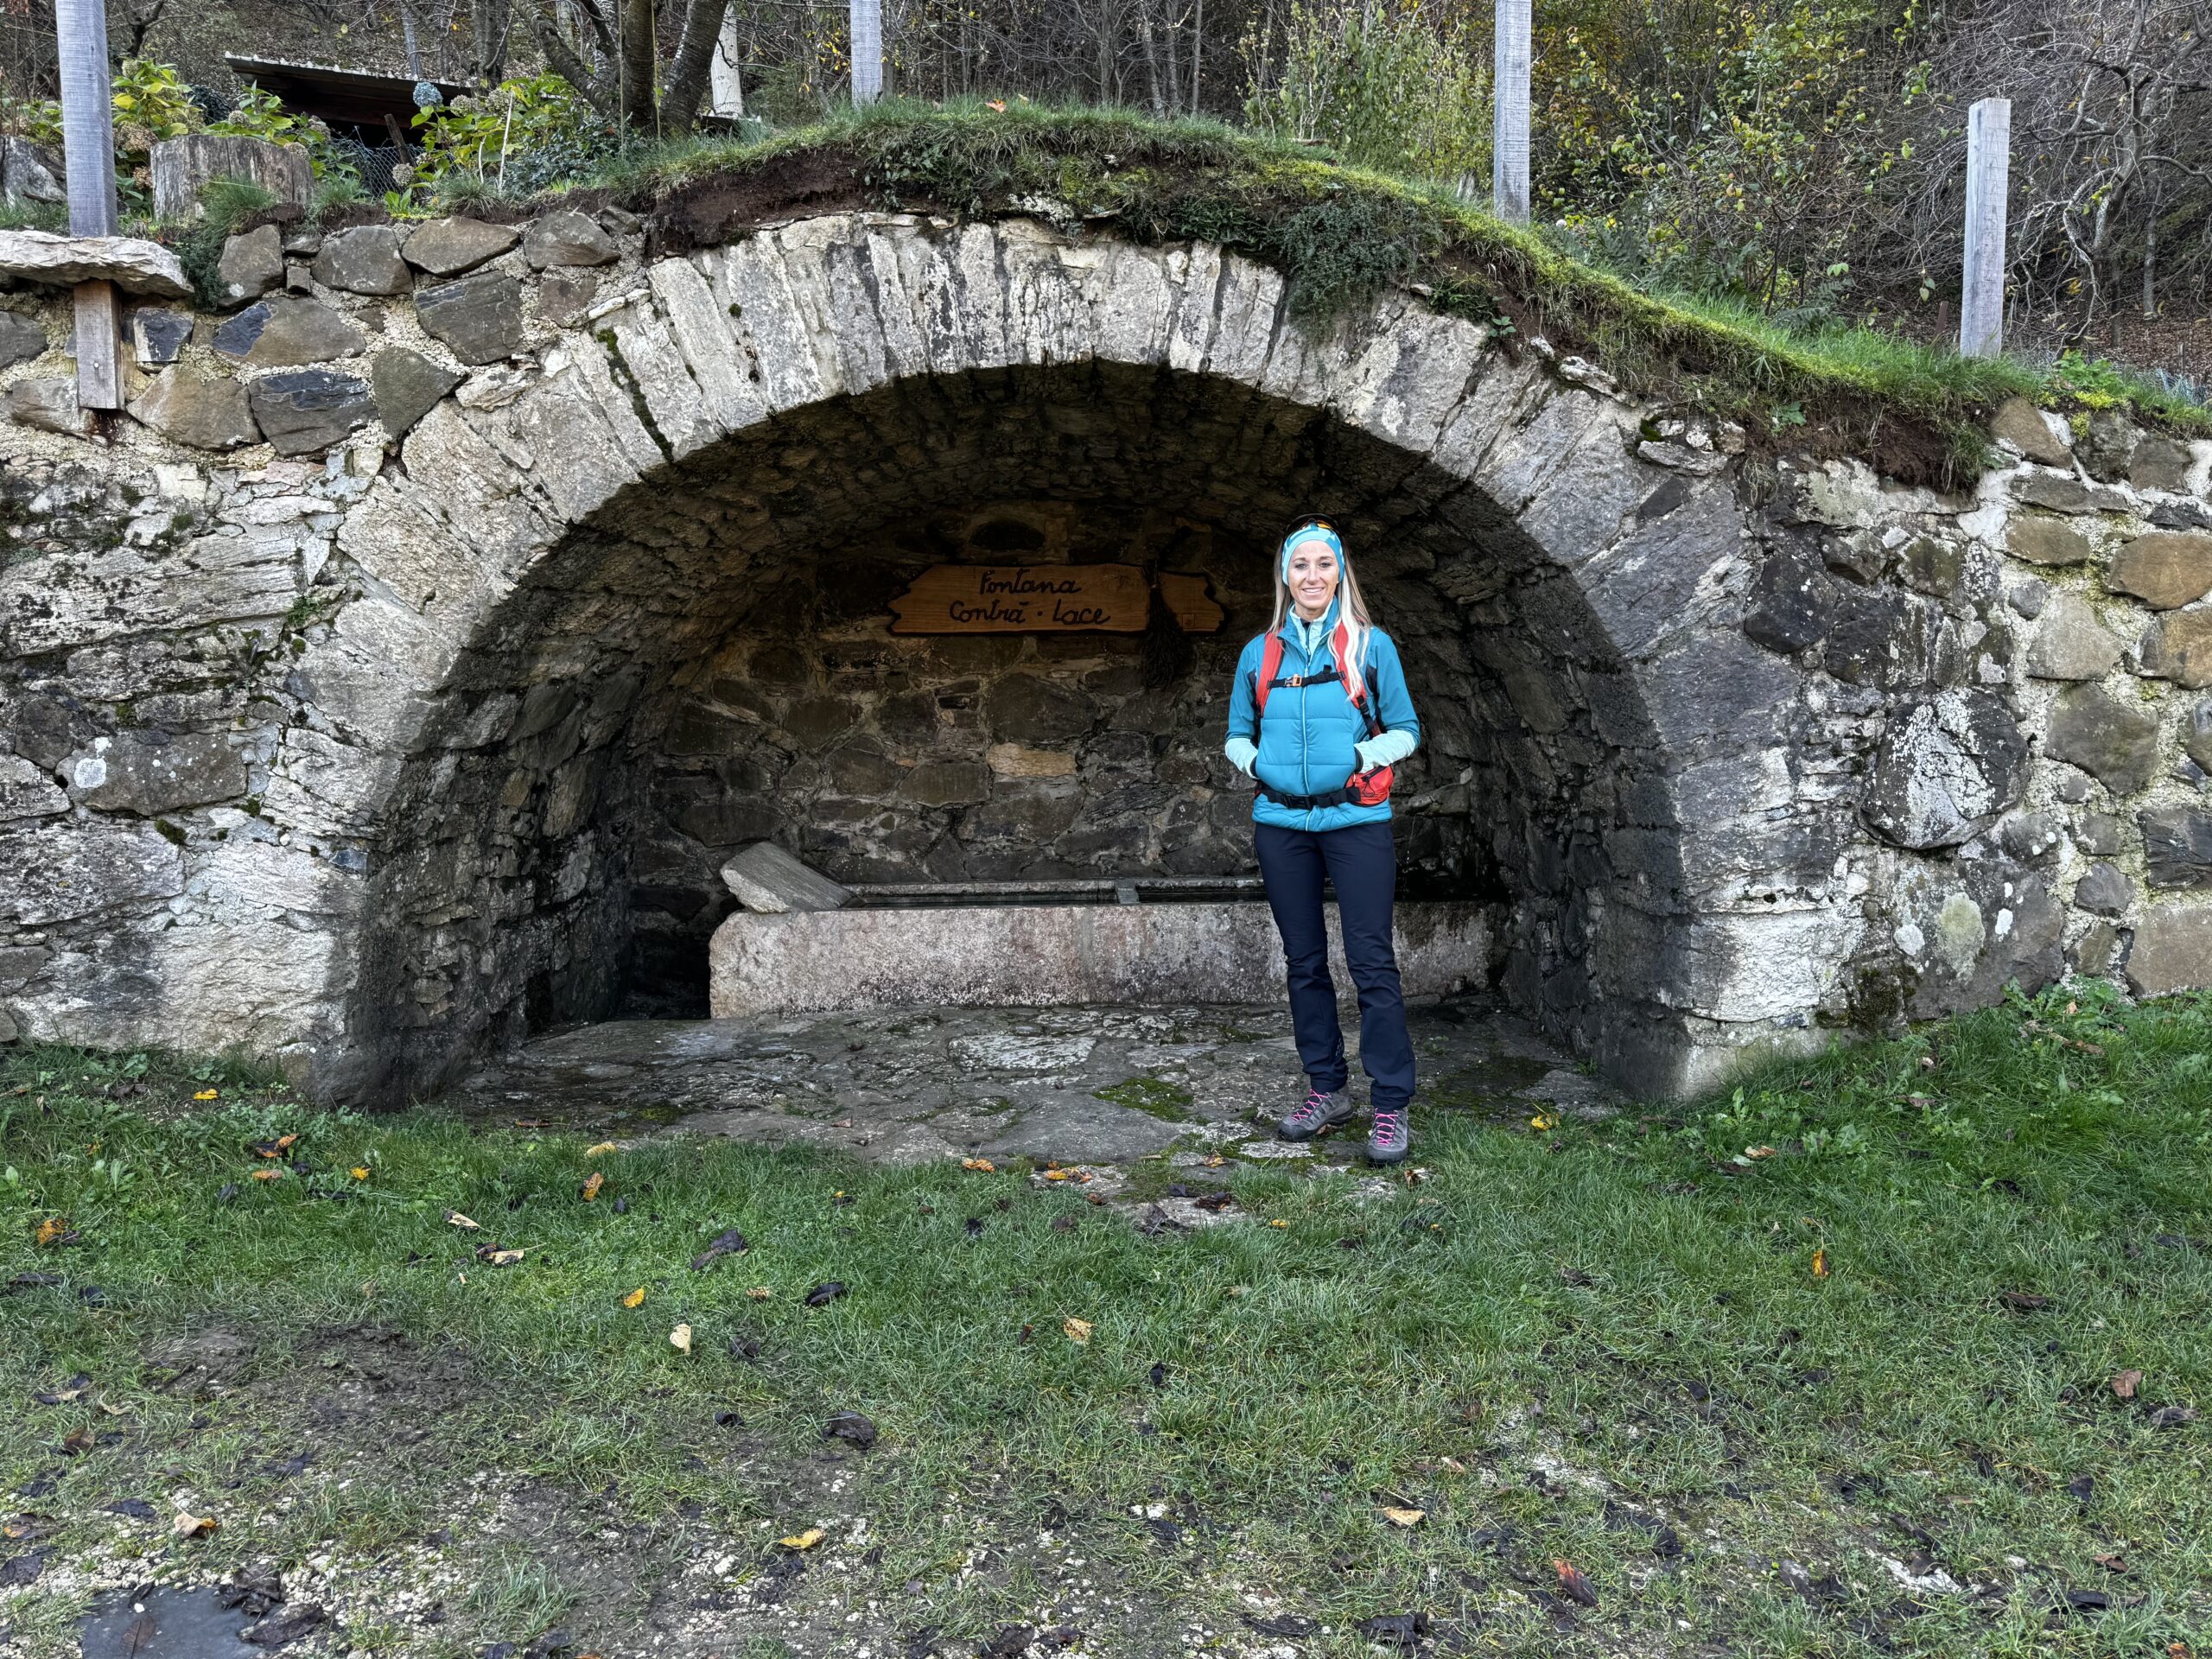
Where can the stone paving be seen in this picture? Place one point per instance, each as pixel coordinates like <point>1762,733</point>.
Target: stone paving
<point>1071,1085</point>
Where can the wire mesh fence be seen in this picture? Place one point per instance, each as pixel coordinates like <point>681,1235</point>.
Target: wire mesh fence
<point>373,163</point>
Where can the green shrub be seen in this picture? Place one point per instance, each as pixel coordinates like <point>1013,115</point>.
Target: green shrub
<point>1380,86</point>
<point>535,127</point>
<point>260,114</point>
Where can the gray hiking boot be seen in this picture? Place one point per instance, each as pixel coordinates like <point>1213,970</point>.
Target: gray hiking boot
<point>1390,1137</point>
<point>1320,1111</point>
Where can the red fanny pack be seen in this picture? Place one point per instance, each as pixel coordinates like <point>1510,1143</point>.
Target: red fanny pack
<point>1361,788</point>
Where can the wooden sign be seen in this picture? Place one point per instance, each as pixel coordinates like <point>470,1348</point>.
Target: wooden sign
<point>1047,599</point>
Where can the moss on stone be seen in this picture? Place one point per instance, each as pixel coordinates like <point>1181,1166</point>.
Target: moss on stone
<point>1153,1096</point>
<point>1340,235</point>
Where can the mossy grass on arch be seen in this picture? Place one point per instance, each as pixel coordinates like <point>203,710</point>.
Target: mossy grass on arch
<point>1340,234</point>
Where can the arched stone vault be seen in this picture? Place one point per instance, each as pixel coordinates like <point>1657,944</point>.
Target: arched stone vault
<point>380,750</point>
<point>552,564</point>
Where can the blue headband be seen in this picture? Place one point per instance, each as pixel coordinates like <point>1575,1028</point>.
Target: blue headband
<point>1304,534</point>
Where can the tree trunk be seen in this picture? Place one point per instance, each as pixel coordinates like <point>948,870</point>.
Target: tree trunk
<point>599,85</point>
<point>1172,29</point>
<point>694,66</point>
<point>2150,267</point>
<point>1146,35</point>
<point>407,34</point>
<point>1197,56</point>
<point>487,59</point>
<point>639,60</point>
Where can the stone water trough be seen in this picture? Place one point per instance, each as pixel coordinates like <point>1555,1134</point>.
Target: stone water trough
<point>803,945</point>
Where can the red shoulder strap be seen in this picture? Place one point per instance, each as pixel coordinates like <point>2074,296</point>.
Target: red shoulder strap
<point>1340,649</point>
<point>1355,684</point>
<point>1270,661</point>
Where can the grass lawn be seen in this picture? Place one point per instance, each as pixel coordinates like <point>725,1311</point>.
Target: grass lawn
<point>1824,1366</point>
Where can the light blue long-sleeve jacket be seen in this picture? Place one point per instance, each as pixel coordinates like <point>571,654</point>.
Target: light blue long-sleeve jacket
<point>1307,742</point>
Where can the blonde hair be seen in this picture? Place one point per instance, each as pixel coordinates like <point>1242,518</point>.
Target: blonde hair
<point>1351,610</point>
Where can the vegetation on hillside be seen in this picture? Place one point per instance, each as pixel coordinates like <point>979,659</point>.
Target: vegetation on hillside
<point>1800,157</point>
<point>1738,209</point>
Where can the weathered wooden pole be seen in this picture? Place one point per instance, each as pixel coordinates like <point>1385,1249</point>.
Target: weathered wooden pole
<point>88,153</point>
<point>725,79</point>
<point>868,50</point>
<point>1509,143</point>
<point>1981,295</point>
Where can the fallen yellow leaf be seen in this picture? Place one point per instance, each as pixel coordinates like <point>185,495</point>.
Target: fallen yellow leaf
<point>806,1539</point>
<point>983,1164</point>
<point>634,1297</point>
<point>205,1094</point>
<point>52,1228</point>
<point>187,1525</point>
<point>1077,1330</point>
<point>1404,1517</point>
<point>1758,1152</point>
<point>268,1174</point>
<point>592,1184</point>
<point>1056,1175</point>
<point>455,1218</point>
<point>359,1171</point>
<point>759,1293</point>
<point>1544,1122</point>
<point>504,1258</point>
<point>1820,1264</point>
<point>604,1146</point>
<point>680,1338</point>
<point>1278,1223</point>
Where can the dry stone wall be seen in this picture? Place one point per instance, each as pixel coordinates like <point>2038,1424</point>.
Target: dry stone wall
<point>374,687</point>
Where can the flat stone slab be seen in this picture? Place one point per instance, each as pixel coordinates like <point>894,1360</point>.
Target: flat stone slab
<point>991,956</point>
<point>770,881</point>
<point>133,264</point>
<point>1101,1086</point>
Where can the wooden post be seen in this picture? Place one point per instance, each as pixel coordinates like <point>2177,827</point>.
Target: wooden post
<point>1981,295</point>
<point>868,51</point>
<point>88,153</point>
<point>1508,158</point>
<point>726,84</point>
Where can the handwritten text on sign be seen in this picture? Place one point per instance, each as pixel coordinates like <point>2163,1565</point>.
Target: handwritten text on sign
<point>1047,599</point>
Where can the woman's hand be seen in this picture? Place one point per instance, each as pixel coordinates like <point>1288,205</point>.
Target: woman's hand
<point>1383,749</point>
<point>1242,753</point>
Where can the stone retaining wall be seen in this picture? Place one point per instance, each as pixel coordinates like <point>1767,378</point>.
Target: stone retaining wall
<point>340,681</point>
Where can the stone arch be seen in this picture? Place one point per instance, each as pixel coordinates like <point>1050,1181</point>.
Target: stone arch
<point>564,548</point>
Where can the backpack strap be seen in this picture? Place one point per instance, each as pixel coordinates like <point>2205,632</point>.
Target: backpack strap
<point>1270,661</point>
<point>1355,686</point>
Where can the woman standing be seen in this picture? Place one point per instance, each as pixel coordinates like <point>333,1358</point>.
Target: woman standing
<point>1318,714</point>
